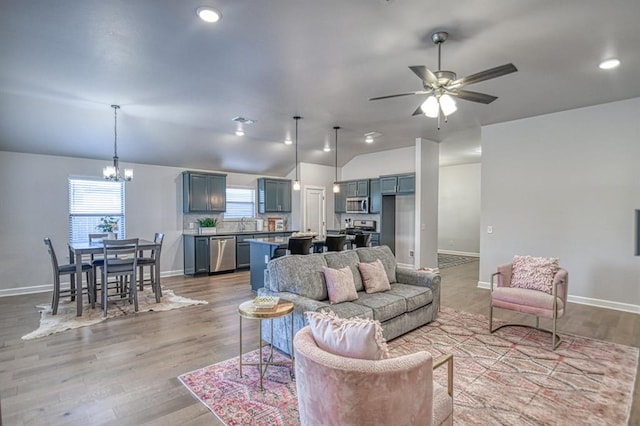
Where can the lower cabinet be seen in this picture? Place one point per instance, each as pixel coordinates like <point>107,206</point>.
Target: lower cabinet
<point>243,250</point>
<point>196,254</point>
<point>375,239</point>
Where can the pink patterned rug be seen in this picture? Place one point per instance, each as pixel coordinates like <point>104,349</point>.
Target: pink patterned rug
<point>506,378</point>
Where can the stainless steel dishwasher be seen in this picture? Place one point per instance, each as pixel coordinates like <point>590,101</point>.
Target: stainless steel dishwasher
<point>222,254</point>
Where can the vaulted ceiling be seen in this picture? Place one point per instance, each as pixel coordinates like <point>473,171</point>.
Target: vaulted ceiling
<point>180,81</point>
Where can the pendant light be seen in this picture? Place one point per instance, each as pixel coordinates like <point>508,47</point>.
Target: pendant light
<point>336,186</point>
<point>112,173</point>
<point>296,183</point>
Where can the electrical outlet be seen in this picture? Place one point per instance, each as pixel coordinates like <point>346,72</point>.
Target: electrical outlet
<point>191,225</point>
<point>489,229</point>
<point>411,253</point>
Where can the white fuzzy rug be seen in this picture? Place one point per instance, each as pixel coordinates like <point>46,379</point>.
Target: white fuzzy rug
<point>66,318</point>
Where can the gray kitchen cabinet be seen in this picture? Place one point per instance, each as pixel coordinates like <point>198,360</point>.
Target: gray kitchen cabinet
<point>388,184</point>
<point>406,184</point>
<point>358,188</point>
<point>375,239</point>
<point>196,254</point>
<point>340,198</point>
<point>274,195</point>
<point>204,192</point>
<point>243,258</point>
<point>397,184</point>
<point>375,199</point>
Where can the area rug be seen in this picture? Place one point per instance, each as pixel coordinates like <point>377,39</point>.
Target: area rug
<point>449,260</point>
<point>506,378</point>
<point>67,319</point>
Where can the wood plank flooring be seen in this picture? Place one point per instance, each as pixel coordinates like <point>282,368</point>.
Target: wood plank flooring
<point>123,371</point>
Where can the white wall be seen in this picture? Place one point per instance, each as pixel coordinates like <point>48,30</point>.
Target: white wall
<point>459,209</point>
<point>567,185</point>
<point>34,204</point>
<point>391,162</point>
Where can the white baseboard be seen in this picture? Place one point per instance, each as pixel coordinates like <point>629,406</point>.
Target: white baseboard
<point>459,253</point>
<point>65,285</point>
<point>607,304</point>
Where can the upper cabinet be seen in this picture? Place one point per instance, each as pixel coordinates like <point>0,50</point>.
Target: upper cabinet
<point>274,195</point>
<point>398,184</point>
<point>340,198</point>
<point>375,200</point>
<point>358,188</point>
<point>204,192</point>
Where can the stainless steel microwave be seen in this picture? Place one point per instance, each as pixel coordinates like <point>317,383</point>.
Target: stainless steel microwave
<point>357,205</point>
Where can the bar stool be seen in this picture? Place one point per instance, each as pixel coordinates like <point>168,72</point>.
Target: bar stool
<point>335,242</point>
<point>362,240</point>
<point>151,261</point>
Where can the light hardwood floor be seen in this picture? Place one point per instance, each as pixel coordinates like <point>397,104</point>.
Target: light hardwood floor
<point>123,371</point>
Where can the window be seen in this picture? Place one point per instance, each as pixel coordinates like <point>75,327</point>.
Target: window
<point>91,199</point>
<point>241,202</point>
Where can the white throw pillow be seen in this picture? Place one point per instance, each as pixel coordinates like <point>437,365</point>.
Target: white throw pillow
<point>534,273</point>
<point>340,285</point>
<point>353,338</point>
<point>374,277</point>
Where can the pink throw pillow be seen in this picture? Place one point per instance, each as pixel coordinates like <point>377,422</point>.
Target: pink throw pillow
<point>534,273</point>
<point>374,277</point>
<point>353,338</point>
<point>340,284</point>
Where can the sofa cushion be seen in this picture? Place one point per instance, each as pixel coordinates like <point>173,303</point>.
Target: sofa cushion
<point>384,305</point>
<point>415,296</point>
<point>384,253</point>
<point>340,285</point>
<point>535,273</point>
<point>299,274</point>
<point>348,310</point>
<point>374,277</point>
<point>352,338</point>
<point>338,260</point>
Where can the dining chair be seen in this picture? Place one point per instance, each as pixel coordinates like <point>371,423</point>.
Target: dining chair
<point>300,245</point>
<point>70,269</point>
<point>335,242</point>
<point>120,261</point>
<point>96,262</point>
<point>362,240</point>
<point>151,261</point>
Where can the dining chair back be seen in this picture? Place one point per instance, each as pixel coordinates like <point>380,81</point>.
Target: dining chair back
<point>362,240</point>
<point>121,261</point>
<point>151,261</point>
<point>335,242</point>
<point>69,269</point>
<point>300,245</point>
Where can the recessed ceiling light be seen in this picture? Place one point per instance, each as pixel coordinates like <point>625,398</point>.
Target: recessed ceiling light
<point>239,132</point>
<point>208,14</point>
<point>368,139</point>
<point>327,149</point>
<point>288,141</point>
<point>369,136</point>
<point>609,64</point>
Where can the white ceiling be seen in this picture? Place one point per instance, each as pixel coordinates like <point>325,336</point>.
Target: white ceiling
<point>180,81</point>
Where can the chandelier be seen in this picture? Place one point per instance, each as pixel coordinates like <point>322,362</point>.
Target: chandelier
<point>112,173</point>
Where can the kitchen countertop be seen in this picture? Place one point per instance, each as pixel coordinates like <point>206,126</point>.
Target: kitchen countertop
<point>229,233</point>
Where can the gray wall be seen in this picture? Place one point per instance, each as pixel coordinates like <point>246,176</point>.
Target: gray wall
<point>567,185</point>
<point>459,209</point>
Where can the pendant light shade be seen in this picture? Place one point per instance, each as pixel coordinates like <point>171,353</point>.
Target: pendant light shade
<point>296,183</point>
<point>336,186</point>
<point>112,173</point>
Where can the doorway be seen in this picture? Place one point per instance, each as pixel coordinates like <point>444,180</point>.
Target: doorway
<point>314,210</point>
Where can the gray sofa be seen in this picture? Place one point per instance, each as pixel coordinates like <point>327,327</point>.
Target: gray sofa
<point>414,298</point>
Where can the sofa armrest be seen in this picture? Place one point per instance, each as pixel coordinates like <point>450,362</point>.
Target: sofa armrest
<point>423,279</point>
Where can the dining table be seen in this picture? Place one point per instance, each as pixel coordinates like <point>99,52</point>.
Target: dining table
<point>82,248</point>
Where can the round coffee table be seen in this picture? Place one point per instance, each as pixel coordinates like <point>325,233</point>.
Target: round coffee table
<point>248,310</point>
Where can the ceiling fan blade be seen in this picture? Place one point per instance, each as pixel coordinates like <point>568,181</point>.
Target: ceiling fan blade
<point>418,111</point>
<point>483,98</point>
<point>422,92</point>
<point>483,75</point>
<point>425,75</point>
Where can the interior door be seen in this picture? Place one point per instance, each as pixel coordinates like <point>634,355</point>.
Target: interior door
<point>314,210</point>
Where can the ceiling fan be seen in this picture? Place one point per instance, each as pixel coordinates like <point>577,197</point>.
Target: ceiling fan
<point>441,85</point>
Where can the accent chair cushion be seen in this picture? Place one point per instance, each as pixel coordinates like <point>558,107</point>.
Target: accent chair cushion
<point>374,276</point>
<point>534,273</point>
<point>351,338</point>
<point>340,285</point>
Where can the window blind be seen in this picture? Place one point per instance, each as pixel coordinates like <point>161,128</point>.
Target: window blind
<point>241,202</point>
<point>91,199</point>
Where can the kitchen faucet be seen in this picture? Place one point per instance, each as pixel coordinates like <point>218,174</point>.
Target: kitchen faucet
<point>242,224</point>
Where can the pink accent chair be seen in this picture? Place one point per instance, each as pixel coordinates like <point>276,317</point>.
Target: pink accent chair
<point>528,301</point>
<point>335,390</point>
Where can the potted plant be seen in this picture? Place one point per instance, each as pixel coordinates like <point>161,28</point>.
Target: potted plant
<point>109,225</point>
<point>207,225</point>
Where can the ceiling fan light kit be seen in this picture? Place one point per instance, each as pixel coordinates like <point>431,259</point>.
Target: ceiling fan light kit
<point>442,86</point>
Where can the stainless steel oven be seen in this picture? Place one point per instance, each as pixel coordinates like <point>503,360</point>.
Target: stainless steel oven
<point>357,205</point>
